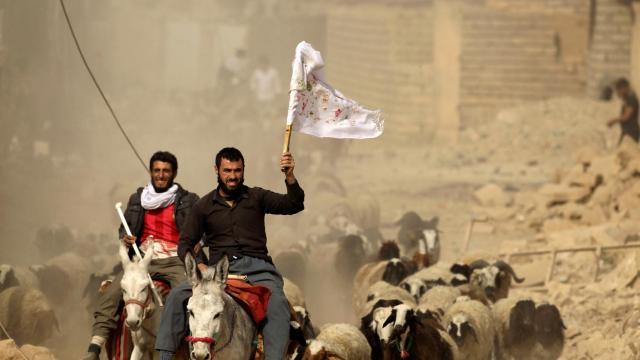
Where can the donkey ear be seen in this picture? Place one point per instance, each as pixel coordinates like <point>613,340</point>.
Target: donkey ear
<point>222,270</point>
<point>124,254</point>
<point>191,268</point>
<point>146,260</point>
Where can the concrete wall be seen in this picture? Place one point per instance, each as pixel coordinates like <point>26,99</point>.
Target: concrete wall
<point>382,56</point>
<point>610,51</point>
<point>635,47</point>
<point>515,51</point>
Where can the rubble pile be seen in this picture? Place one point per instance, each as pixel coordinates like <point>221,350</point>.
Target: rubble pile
<point>594,202</point>
<point>602,318</point>
<point>601,189</point>
<point>542,131</point>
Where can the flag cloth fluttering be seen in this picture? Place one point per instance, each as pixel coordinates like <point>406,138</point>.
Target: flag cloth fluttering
<point>316,108</point>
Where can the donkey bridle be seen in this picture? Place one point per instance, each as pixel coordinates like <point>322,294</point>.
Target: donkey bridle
<point>211,341</point>
<point>144,305</point>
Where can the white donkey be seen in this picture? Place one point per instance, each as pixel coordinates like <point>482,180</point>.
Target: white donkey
<point>219,326</point>
<point>139,304</point>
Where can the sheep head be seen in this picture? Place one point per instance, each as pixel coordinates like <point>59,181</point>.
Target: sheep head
<point>460,329</point>
<point>521,322</point>
<point>483,282</point>
<point>395,272</point>
<point>548,324</point>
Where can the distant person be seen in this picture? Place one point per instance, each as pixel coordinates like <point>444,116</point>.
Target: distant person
<point>159,209</point>
<point>265,86</point>
<point>628,118</point>
<point>233,69</point>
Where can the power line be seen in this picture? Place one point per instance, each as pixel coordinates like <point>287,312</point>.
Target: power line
<point>95,82</point>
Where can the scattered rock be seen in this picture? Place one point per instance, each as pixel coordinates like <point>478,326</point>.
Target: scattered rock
<point>492,195</point>
<point>555,194</point>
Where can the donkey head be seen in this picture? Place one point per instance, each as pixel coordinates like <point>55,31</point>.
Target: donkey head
<point>135,285</point>
<point>206,306</point>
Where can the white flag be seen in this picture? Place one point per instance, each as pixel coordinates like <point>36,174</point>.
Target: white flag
<point>317,109</point>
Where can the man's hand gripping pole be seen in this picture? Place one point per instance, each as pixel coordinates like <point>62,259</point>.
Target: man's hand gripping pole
<point>137,251</point>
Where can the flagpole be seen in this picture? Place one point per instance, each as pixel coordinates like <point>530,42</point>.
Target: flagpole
<point>289,128</point>
<point>287,138</point>
<point>293,104</point>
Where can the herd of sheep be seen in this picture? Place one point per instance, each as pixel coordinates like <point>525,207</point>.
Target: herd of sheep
<point>409,309</point>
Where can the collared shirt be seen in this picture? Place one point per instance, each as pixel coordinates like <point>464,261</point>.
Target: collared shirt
<point>237,230</point>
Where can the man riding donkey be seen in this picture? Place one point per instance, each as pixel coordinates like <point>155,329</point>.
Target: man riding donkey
<point>232,220</point>
<point>156,212</point>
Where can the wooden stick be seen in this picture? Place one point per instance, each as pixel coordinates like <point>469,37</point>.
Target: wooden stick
<point>467,237</point>
<point>287,142</point>
<point>552,267</point>
<point>605,248</point>
<point>598,255</point>
<point>287,138</point>
<point>137,251</point>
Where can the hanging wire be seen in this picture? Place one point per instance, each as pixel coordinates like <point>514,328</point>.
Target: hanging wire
<point>95,82</point>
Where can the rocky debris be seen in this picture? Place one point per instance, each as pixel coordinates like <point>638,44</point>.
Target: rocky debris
<point>593,191</point>
<point>543,132</point>
<point>594,202</point>
<point>492,195</point>
<point>603,317</point>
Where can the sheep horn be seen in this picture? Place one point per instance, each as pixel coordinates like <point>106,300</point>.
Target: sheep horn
<point>503,266</point>
<point>478,264</point>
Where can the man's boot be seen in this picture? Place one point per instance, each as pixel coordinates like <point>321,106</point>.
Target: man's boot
<point>93,353</point>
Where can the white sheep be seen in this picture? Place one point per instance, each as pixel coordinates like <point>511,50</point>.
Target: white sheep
<point>363,280</point>
<point>365,275</point>
<point>438,299</point>
<point>470,324</point>
<point>414,286</point>
<point>338,341</point>
<point>440,274</point>
<point>381,290</point>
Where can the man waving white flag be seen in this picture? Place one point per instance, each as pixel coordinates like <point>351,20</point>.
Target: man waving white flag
<point>317,109</point>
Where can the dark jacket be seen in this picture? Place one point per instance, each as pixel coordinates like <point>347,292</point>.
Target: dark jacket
<point>239,229</point>
<point>134,214</point>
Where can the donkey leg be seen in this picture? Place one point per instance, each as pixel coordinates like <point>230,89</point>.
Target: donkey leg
<point>136,354</point>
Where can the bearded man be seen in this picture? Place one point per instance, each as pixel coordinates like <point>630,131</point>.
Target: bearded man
<point>232,220</point>
<point>155,212</point>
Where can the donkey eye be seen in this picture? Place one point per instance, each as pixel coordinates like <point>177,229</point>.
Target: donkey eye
<point>190,313</point>
<point>216,316</point>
